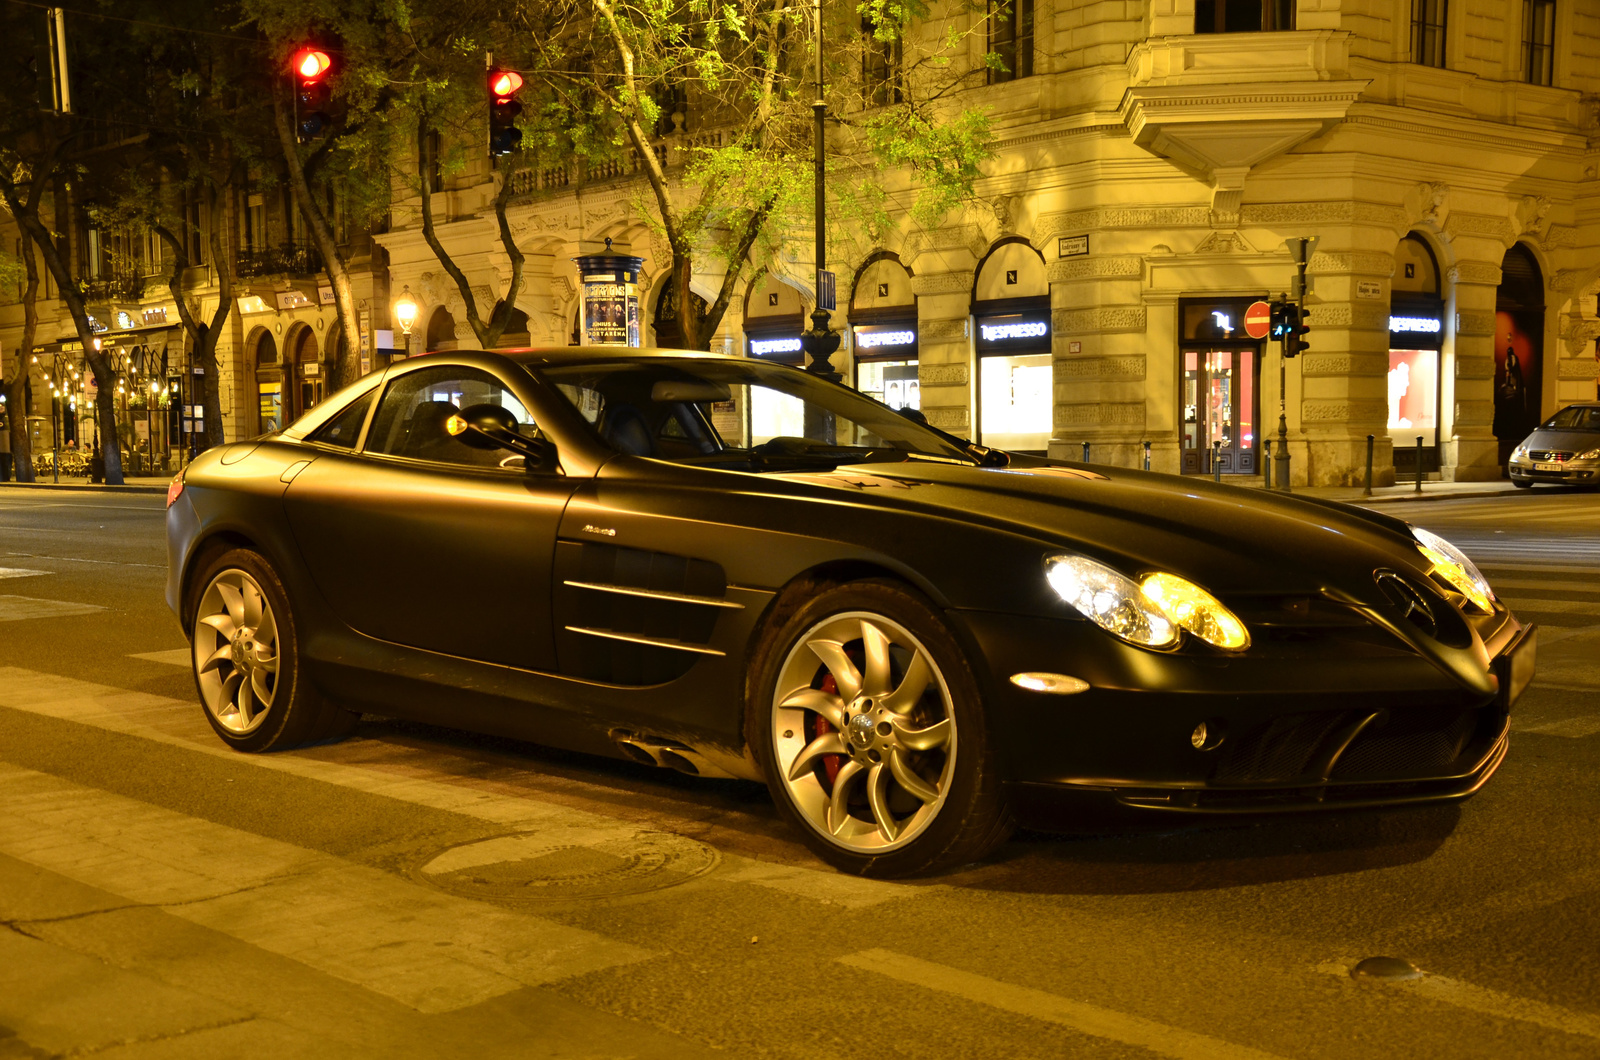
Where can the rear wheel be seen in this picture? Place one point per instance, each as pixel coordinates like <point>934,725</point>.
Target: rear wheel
<point>870,730</point>
<point>247,664</point>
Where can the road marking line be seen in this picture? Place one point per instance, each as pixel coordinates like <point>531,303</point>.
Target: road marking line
<point>1553,582</point>
<point>1538,568</point>
<point>21,608</point>
<point>1573,728</point>
<point>1077,1015</point>
<point>1482,999</point>
<point>179,724</point>
<point>20,572</point>
<point>173,656</point>
<point>430,950</point>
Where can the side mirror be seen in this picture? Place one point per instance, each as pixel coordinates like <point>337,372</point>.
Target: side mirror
<point>487,426</point>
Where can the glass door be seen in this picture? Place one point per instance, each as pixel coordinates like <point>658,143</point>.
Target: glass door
<point>1219,406</point>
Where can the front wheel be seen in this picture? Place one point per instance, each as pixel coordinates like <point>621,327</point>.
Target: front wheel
<point>1522,484</point>
<point>870,729</point>
<point>247,664</point>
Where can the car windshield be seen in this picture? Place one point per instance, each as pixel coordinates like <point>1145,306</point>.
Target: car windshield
<point>1575,418</point>
<point>740,414</point>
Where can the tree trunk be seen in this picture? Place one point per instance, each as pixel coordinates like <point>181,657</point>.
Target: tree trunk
<point>349,363</point>
<point>16,385</point>
<point>27,217</point>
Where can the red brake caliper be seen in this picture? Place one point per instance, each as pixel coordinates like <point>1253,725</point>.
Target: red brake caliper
<point>830,763</point>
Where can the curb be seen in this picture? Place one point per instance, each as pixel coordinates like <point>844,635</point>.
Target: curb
<point>82,488</point>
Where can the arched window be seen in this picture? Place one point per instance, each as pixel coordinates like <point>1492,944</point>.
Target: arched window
<point>1416,334</point>
<point>883,325</point>
<point>1011,301</point>
<point>1518,348</point>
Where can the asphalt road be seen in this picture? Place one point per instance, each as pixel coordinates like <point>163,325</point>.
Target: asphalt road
<point>420,892</point>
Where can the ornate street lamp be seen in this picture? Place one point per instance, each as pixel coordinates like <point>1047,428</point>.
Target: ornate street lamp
<point>405,314</point>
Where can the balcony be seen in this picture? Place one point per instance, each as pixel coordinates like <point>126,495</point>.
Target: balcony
<point>672,151</point>
<point>122,287</point>
<point>1220,103</point>
<point>287,259</point>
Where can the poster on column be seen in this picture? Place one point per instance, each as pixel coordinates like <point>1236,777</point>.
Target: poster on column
<point>611,313</point>
<point>1517,341</point>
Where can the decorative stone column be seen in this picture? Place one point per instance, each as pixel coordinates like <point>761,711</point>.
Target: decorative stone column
<point>1475,456</point>
<point>1099,339</point>
<point>1344,374</point>
<point>944,349</point>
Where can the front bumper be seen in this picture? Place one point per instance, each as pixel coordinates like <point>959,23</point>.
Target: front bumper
<point>1317,732</point>
<point>1572,473</point>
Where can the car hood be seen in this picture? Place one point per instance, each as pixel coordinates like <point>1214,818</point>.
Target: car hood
<point>1229,539</point>
<point>1570,441</point>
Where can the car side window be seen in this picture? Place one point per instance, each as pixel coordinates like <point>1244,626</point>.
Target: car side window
<point>411,417</point>
<point>345,428</point>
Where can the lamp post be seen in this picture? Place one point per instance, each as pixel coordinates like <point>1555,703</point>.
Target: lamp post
<point>821,340</point>
<point>405,314</point>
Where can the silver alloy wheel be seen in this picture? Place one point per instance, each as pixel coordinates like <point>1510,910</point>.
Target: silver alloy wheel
<point>236,652</point>
<point>890,722</point>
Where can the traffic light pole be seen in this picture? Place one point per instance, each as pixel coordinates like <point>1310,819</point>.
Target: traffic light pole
<point>1300,249</point>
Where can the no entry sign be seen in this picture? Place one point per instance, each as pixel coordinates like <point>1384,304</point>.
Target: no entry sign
<point>1258,320</point>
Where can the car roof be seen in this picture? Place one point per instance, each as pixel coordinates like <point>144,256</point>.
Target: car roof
<point>587,354</point>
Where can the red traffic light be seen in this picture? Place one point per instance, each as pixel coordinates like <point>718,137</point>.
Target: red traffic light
<point>311,64</point>
<point>504,83</point>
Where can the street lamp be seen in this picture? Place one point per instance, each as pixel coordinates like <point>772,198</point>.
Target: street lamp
<point>405,312</point>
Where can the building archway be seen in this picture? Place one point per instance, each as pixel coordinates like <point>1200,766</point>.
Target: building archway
<point>664,321</point>
<point>1011,304</point>
<point>441,334</point>
<point>1518,349</point>
<point>269,413</point>
<point>305,375</point>
<point>883,326</point>
<point>1416,342</point>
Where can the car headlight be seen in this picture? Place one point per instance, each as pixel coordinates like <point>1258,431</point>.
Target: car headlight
<point>1148,613</point>
<point>1111,600</point>
<point>1519,453</point>
<point>1451,564</point>
<point>1588,454</point>
<point>1196,611</point>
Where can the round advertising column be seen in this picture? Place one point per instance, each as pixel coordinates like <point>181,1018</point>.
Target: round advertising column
<point>610,298</point>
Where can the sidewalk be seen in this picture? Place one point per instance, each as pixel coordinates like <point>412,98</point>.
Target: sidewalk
<point>130,484</point>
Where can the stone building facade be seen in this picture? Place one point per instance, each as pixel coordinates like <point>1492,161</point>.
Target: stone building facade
<point>1151,160</point>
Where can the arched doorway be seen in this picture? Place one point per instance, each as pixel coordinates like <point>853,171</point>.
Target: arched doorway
<point>1416,334</point>
<point>304,366</point>
<point>669,335</point>
<point>269,414</point>
<point>883,325</point>
<point>1011,301</point>
<point>1518,349</point>
<point>441,330</point>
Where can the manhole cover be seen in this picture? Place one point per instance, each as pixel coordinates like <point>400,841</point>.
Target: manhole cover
<point>575,863</point>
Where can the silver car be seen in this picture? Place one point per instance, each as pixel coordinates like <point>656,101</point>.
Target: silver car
<point>1564,449</point>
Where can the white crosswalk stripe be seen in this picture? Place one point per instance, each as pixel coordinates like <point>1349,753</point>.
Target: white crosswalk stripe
<point>432,951</point>
<point>1481,999</point>
<point>423,781</point>
<point>22,608</point>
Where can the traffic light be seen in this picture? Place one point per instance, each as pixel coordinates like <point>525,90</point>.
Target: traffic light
<point>504,136</point>
<point>1278,321</point>
<point>313,94</point>
<point>1294,343</point>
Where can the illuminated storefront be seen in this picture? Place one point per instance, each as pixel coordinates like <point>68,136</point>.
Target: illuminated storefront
<point>1416,337</point>
<point>886,362</point>
<point>1220,389</point>
<point>774,320</point>
<point>1015,376</point>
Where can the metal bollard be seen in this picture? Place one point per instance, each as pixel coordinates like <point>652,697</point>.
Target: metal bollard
<point>1216,461</point>
<point>1147,456</point>
<point>1368,491</point>
<point>1419,463</point>
<point>1267,482</point>
<point>1085,452</point>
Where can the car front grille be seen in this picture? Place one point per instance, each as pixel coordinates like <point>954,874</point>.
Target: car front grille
<point>1295,749</point>
<point>1545,455</point>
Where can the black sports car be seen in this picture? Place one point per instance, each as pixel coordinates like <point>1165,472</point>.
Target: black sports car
<point>734,568</point>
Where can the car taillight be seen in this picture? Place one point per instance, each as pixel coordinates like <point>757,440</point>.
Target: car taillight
<point>174,490</point>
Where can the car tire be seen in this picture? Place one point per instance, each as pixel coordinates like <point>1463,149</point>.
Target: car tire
<point>869,727</point>
<point>248,669</point>
<point>1521,484</point>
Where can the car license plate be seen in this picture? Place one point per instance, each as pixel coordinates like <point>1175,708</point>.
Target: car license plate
<point>1547,467</point>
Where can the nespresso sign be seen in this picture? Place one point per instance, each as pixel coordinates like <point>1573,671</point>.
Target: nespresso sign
<point>1018,331</point>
